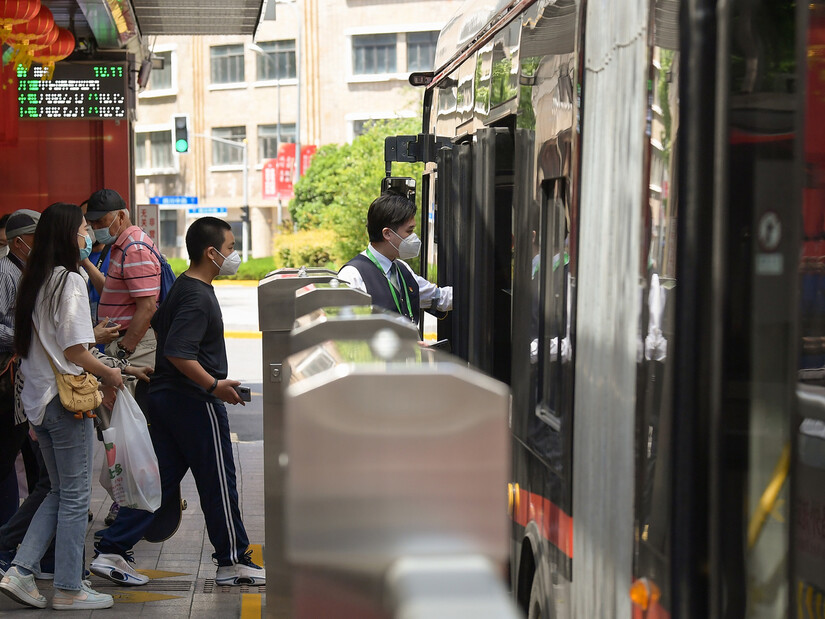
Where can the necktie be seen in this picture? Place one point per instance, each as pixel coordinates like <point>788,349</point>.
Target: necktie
<point>394,279</point>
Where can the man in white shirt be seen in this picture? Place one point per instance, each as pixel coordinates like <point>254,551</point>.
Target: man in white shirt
<point>380,269</point>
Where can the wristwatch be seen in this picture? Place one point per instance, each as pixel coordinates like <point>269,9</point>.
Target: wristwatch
<point>123,352</point>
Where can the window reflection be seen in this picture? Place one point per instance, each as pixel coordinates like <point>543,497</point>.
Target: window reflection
<point>657,283</point>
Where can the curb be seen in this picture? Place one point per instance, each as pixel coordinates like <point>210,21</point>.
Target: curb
<point>242,335</point>
<point>247,283</point>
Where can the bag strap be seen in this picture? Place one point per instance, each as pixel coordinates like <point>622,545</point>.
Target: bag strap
<point>48,356</point>
<point>103,255</point>
<point>149,247</point>
<point>9,367</point>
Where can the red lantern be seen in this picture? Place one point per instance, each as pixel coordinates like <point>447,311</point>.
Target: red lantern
<point>57,51</point>
<point>38,33</point>
<point>39,25</point>
<point>13,12</point>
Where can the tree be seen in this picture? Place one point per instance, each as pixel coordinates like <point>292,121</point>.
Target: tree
<point>343,180</point>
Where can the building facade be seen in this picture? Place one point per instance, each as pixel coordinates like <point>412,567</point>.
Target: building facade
<point>318,70</point>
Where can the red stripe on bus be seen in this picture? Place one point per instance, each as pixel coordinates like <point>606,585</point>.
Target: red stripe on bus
<point>553,523</point>
<point>743,137</point>
<point>654,612</point>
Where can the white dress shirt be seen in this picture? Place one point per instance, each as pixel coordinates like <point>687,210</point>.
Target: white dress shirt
<point>427,291</point>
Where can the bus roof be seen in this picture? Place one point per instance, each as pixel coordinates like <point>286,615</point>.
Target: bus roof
<point>470,21</point>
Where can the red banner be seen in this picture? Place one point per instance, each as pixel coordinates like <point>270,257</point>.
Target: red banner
<point>270,173</point>
<point>307,152</point>
<point>278,173</point>
<point>284,170</point>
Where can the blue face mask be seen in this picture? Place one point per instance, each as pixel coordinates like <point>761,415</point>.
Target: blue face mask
<point>105,236</point>
<point>85,251</point>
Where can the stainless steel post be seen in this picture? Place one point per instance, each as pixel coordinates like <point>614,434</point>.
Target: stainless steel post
<point>276,317</point>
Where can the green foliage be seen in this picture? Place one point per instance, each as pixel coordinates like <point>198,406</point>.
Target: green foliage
<point>179,265</point>
<point>303,248</point>
<point>254,268</point>
<point>343,180</point>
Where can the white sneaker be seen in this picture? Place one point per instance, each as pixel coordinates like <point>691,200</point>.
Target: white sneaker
<point>117,569</point>
<point>85,599</point>
<point>21,588</point>
<point>244,573</point>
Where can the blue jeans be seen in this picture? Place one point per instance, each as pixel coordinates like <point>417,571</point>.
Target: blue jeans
<point>67,446</point>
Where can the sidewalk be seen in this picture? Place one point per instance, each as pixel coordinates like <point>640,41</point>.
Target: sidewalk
<point>181,568</point>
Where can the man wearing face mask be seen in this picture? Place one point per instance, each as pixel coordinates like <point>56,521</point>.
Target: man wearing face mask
<point>130,292</point>
<point>380,270</point>
<point>20,228</point>
<point>190,426</point>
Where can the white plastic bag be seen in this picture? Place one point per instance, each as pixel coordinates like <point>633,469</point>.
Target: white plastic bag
<point>130,470</point>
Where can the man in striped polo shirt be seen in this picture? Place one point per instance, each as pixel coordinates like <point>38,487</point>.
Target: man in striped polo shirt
<point>130,292</point>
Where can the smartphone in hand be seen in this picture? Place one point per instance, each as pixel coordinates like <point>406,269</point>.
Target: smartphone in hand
<point>244,392</point>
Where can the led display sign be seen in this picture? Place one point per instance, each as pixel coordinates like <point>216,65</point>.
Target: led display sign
<point>91,90</point>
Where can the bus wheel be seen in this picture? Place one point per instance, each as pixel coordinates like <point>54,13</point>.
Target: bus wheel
<point>536,607</point>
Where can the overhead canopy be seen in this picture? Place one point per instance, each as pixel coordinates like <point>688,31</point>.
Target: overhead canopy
<point>115,24</point>
<point>207,17</point>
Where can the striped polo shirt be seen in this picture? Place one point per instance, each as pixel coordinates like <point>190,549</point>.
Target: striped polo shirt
<point>138,275</point>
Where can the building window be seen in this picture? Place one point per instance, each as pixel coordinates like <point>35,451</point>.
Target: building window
<point>226,154</point>
<point>268,139</point>
<point>421,50</point>
<point>359,127</point>
<point>161,79</point>
<point>227,64</point>
<point>153,150</point>
<point>373,54</point>
<point>168,229</point>
<point>279,61</point>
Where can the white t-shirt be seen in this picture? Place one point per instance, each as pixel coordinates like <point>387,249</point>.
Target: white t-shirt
<point>64,326</point>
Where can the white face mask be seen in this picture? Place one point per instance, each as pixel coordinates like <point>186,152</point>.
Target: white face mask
<point>409,247</point>
<point>4,251</point>
<point>230,263</point>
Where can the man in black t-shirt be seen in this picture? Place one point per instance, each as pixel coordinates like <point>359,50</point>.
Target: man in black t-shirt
<point>187,416</point>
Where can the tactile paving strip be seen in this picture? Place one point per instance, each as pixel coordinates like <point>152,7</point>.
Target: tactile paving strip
<point>154,585</point>
<point>209,586</point>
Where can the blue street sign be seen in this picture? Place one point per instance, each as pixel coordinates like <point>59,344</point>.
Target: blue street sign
<point>173,200</point>
<point>207,210</point>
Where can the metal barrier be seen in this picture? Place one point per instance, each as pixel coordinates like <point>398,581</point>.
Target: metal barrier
<point>398,459</point>
<point>348,323</point>
<point>277,303</point>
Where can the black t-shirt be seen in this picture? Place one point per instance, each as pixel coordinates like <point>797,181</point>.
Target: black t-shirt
<point>189,325</point>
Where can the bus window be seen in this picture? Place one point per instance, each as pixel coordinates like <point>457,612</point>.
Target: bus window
<point>553,350</point>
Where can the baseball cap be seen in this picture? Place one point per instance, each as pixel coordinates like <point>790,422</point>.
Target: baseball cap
<point>103,201</point>
<point>23,221</point>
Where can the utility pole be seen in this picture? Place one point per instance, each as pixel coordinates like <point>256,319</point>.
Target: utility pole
<point>244,146</point>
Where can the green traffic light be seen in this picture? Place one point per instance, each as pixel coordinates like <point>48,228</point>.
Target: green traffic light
<point>182,146</point>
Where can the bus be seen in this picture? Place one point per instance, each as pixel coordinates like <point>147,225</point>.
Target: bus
<point>628,200</point>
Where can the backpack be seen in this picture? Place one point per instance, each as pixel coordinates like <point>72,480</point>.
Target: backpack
<point>167,276</point>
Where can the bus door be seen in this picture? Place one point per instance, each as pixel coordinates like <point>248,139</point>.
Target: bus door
<point>474,232</point>
<point>731,552</point>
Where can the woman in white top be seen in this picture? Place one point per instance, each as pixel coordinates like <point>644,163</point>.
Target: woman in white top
<point>52,327</point>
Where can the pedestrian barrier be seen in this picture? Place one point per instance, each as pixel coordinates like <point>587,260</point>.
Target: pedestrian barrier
<point>397,463</point>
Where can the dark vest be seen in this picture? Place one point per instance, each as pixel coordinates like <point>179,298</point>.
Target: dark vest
<point>378,286</point>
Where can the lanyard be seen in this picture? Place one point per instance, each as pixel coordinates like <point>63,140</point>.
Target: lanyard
<point>103,253</point>
<point>392,288</point>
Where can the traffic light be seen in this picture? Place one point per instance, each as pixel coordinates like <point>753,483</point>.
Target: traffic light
<point>181,122</point>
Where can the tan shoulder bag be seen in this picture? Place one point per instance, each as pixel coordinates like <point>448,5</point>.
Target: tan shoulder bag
<point>78,394</point>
